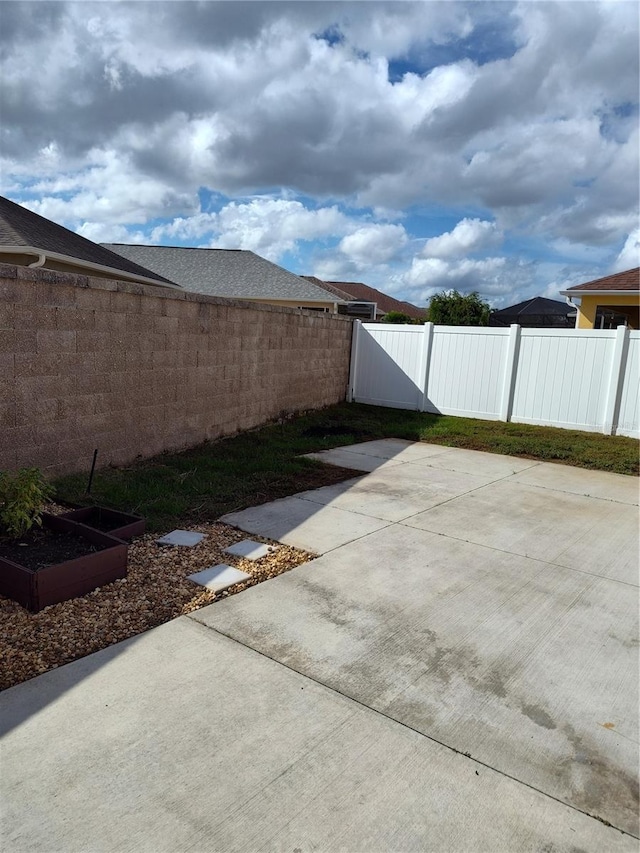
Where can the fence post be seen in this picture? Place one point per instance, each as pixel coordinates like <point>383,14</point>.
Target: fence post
<point>427,346</point>
<point>614,389</point>
<point>510,371</point>
<point>353,363</point>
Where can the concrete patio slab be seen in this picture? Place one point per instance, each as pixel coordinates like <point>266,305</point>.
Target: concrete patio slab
<point>181,538</point>
<point>506,658</point>
<point>217,578</point>
<point>397,493</point>
<point>426,685</point>
<point>396,449</point>
<point>304,524</point>
<point>184,740</point>
<point>249,550</point>
<point>342,458</point>
<point>377,455</point>
<point>596,484</point>
<point>477,462</point>
<point>590,534</point>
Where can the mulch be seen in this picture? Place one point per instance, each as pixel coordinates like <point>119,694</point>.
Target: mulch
<point>155,590</point>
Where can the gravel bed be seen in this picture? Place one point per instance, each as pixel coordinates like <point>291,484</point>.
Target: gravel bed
<point>155,591</point>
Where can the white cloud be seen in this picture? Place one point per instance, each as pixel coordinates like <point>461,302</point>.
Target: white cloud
<point>272,227</point>
<point>373,244</point>
<point>526,112</point>
<point>469,235</point>
<point>629,256</point>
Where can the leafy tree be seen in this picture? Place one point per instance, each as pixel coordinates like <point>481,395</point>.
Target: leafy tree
<point>396,317</point>
<point>451,308</point>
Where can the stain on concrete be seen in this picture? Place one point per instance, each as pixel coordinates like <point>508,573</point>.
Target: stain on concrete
<point>538,715</point>
<point>597,785</point>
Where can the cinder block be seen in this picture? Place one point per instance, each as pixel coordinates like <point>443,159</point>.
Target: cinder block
<point>110,361</point>
<point>14,341</point>
<point>165,325</point>
<point>35,317</point>
<point>54,341</point>
<point>8,461</point>
<point>7,415</point>
<point>93,299</point>
<point>139,360</point>
<point>39,456</point>
<point>18,292</point>
<point>76,406</point>
<point>93,341</point>
<point>54,294</point>
<point>7,315</point>
<point>35,412</point>
<point>75,318</point>
<point>7,366</point>
<point>126,303</point>
<point>107,402</point>
<point>109,321</point>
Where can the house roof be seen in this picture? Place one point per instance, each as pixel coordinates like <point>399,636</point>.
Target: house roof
<point>620,282</point>
<point>22,230</point>
<point>326,285</point>
<point>538,312</point>
<point>233,273</point>
<point>537,305</point>
<point>364,293</point>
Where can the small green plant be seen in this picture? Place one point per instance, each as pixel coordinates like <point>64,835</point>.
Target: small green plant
<point>22,496</point>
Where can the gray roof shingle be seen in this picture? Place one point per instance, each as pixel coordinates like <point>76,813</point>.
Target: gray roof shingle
<point>234,273</point>
<point>22,227</point>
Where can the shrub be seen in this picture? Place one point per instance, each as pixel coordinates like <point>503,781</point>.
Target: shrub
<point>396,317</point>
<point>22,496</point>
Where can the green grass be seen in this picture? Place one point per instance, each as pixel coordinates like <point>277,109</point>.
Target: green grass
<point>258,466</point>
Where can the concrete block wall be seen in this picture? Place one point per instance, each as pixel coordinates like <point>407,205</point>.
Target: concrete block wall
<point>136,370</point>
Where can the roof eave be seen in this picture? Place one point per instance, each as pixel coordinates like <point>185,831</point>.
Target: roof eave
<point>572,292</point>
<point>114,272</point>
<point>281,298</point>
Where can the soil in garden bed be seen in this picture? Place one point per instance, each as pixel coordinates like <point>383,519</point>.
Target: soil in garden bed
<point>99,522</point>
<point>42,547</point>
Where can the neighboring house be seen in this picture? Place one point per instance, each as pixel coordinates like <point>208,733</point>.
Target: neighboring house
<point>607,302</point>
<point>30,240</point>
<point>350,307</point>
<point>536,313</point>
<point>232,273</point>
<point>359,292</point>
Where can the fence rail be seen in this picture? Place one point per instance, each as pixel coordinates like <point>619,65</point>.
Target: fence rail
<point>570,378</point>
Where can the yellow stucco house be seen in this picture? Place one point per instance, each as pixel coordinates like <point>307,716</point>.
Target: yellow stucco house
<point>607,302</point>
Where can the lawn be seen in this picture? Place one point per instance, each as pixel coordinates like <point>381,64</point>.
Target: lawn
<point>258,466</point>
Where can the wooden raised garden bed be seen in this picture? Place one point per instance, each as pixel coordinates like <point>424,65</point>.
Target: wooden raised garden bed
<point>35,585</point>
<point>122,525</point>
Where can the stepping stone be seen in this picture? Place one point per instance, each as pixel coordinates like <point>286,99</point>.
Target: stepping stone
<point>217,578</point>
<point>249,550</point>
<point>186,538</point>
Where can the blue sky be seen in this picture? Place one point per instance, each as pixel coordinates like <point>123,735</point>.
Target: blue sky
<point>417,147</point>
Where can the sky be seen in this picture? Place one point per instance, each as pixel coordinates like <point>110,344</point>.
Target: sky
<point>414,146</point>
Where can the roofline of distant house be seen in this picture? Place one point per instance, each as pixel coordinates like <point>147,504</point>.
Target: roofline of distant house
<point>334,301</point>
<point>164,246</point>
<point>115,272</point>
<point>278,298</point>
<point>589,292</point>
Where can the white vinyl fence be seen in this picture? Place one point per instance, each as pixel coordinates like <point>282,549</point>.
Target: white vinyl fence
<point>571,378</point>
